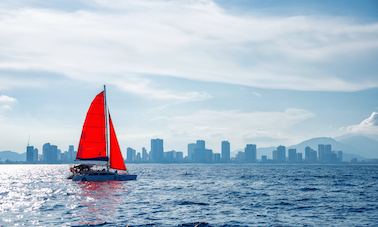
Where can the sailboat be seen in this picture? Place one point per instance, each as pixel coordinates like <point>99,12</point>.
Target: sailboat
<point>99,152</point>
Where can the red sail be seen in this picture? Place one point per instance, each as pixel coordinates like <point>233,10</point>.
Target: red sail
<point>116,159</point>
<point>92,145</point>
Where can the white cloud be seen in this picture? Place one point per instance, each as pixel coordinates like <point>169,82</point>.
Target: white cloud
<point>368,126</point>
<point>192,39</point>
<point>4,99</point>
<point>145,88</point>
<point>6,102</point>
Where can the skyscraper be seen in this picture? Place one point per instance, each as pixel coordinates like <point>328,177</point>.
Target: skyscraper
<point>310,155</point>
<point>226,154</point>
<point>50,153</point>
<point>275,155</point>
<point>71,153</point>
<point>138,157</point>
<point>31,154</point>
<point>281,153</point>
<point>157,150</point>
<point>292,155</point>
<point>130,155</point>
<point>325,153</point>
<point>250,153</point>
<point>144,155</point>
<point>191,151</point>
<point>208,155</point>
<point>329,156</point>
<point>321,152</point>
<point>216,157</point>
<point>340,156</point>
<point>179,156</point>
<point>199,151</point>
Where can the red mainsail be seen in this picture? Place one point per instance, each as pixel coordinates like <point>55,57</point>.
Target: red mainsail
<point>92,145</point>
<point>116,159</point>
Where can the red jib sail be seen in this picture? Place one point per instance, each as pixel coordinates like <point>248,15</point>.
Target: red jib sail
<point>92,145</point>
<point>116,159</point>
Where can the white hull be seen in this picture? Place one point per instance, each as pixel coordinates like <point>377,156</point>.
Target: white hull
<point>103,176</point>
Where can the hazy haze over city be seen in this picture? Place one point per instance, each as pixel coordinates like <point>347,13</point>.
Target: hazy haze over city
<point>246,71</point>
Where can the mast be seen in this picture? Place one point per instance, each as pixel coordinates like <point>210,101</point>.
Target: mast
<point>106,129</point>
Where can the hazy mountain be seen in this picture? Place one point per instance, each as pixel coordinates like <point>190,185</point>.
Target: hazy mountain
<point>348,151</point>
<point>353,147</point>
<point>12,156</point>
<point>313,143</point>
<point>361,145</point>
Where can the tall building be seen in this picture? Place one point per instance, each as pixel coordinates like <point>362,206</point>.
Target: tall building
<point>191,151</point>
<point>59,154</point>
<point>340,156</point>
<point>199,151</point>
<point>179,156</point>
<point>138,157</point>
<point>299,157</point>
<point>157,150</point>
<point>31,154</point>
<point>275,155</point>
<point>170,156</point>
<point>55,153</point>
<point>130,155</point>
<point>292,155</point>
<point>71,156</point>
<point>216,157</point>
<point>250,153</point>
<point>35,155</point>
<point>50,153</point>
<point>225,153</point>
<point>325,153</point>
<point>208,156</point>
<point>279,155</point>
<point>145,157</point>
<point>310,155</point>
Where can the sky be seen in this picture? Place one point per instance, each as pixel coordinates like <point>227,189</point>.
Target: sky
<point>262,72</point>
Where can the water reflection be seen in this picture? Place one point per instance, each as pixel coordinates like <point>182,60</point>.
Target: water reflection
<point>99,201</point>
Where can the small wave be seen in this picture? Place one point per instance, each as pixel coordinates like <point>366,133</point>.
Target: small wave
<point>92,224</point>
<point>307,189</point>
<point>184,203</point>
<point>195,224</point>
<point>302,208</point>
<point>359,210</point>
<point>324,176</point>
<point>283,204</point>
<point>246,177</point>
<point>303,199</point>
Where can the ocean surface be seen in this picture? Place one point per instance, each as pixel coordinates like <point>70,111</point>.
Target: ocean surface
<point>172,195</point>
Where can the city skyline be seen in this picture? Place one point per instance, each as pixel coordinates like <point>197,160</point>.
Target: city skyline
<point>272,73</point>
<point>197,153</point>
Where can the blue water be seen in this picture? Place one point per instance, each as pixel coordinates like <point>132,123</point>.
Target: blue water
<point>164,195</point>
